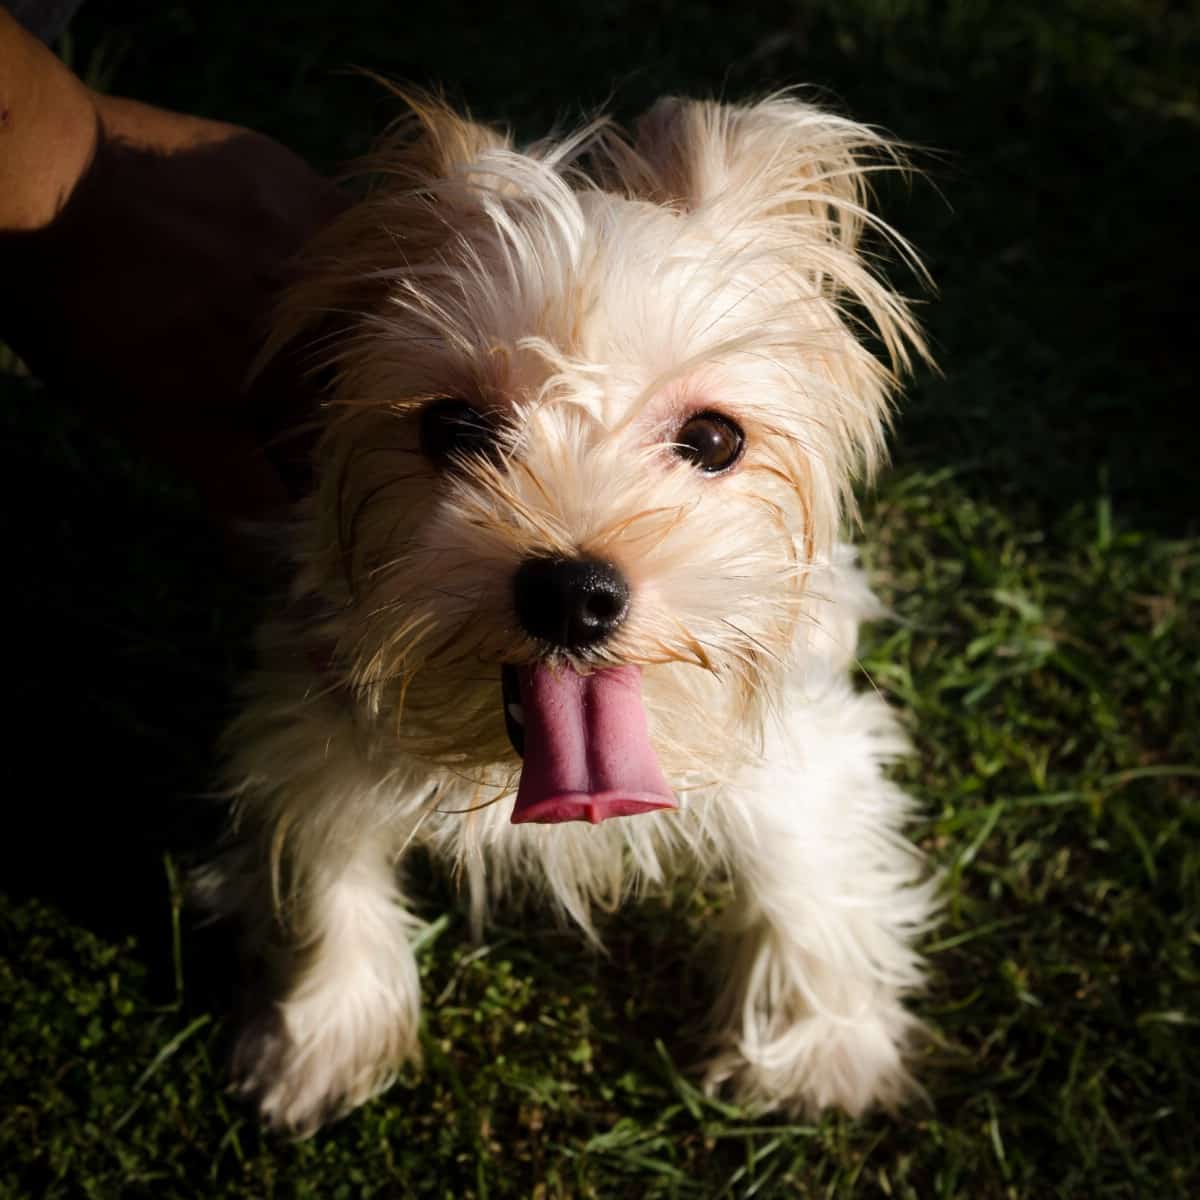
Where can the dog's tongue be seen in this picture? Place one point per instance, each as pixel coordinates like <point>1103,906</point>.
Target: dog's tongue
<point>587,753</point>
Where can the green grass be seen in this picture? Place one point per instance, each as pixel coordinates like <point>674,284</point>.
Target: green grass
<point>1036,541</point>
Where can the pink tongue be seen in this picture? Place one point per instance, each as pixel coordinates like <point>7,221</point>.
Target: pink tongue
<point>587,754</point>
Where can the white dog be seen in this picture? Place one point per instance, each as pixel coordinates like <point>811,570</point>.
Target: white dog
<point>571,557</point>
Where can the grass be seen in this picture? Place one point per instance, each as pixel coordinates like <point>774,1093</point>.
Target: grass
<point>1036,541</point>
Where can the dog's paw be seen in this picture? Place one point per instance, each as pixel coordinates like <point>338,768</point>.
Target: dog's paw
<point>823,1061</point>
<point>303,1073</point>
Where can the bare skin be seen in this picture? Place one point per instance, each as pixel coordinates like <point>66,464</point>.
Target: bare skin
<point>141,251</point>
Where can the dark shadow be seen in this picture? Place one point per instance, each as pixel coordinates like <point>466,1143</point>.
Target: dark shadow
<point>126,634</point>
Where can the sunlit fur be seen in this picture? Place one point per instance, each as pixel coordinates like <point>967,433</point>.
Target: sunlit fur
<point>588,294</point>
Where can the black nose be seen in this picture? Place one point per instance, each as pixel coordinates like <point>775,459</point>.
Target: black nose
<point>570,602</point>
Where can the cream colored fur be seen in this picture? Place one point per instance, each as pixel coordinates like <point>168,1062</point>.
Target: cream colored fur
<point>588,293</point>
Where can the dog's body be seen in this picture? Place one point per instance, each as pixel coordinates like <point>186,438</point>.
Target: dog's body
<point>592,435</point>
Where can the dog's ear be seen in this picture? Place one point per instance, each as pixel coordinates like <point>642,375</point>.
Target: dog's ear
<point>777,158</point>
<point>429,142</point>
<point>783,173</point>
<point>338,281</point>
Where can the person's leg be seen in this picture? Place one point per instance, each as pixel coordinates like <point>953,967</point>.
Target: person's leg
<point>141,252</point>
<point>49,125</point>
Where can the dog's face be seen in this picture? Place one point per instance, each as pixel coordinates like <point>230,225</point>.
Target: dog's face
<point>591,436</point>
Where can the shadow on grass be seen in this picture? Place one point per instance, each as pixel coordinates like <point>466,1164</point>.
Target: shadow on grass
<point>126,636</point>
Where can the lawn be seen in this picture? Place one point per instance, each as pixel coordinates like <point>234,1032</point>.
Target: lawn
<point>1036,539</point>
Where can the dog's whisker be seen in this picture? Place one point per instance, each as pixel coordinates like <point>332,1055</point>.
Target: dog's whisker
<point>458,812</point>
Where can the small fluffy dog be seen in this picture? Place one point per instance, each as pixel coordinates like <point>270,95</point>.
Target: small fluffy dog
<point>569,610</point>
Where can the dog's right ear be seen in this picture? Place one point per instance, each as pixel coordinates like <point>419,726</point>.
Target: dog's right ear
<point>337,281</point>
<point>428,142</point>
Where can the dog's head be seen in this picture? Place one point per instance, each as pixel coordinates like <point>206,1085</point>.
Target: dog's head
<point>596,411</point>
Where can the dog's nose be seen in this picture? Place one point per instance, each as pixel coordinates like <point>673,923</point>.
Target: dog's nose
<point>570,602</point>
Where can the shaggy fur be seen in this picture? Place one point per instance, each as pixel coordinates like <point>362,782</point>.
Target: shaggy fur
<point>587,295</point>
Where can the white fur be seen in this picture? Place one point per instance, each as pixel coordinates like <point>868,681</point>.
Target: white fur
<point>712,261</point>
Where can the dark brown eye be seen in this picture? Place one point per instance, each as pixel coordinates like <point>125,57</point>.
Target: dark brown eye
<point>452,429</point>
<point>709,441</point>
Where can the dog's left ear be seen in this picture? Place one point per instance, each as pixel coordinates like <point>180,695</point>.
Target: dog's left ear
<point>781,173</point>
<point>780,157</point>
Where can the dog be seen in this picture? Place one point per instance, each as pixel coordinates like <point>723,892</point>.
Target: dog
<point>569,608</point>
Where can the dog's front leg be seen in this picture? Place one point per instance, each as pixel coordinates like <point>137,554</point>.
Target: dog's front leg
<point>829,898</point>
<point>346,993</point>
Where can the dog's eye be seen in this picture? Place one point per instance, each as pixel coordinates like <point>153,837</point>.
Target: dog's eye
<point>453,429</point>
<point>709,441</point>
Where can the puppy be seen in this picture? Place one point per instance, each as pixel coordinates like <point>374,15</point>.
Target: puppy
<point>569,608</point>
